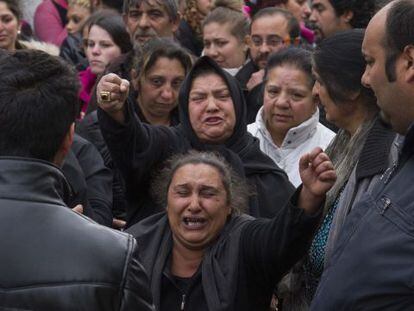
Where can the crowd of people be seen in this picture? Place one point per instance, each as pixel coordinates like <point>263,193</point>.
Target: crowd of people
<point>207,155</point>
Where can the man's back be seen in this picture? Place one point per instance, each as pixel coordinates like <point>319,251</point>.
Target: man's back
<point>54,259</point>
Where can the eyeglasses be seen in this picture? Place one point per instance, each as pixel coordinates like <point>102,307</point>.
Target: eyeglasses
<point>275,41</point>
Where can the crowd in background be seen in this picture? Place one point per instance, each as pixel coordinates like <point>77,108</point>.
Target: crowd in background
<point>258,153</point>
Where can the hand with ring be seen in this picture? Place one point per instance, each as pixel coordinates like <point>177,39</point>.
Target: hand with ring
<point>112,92</point>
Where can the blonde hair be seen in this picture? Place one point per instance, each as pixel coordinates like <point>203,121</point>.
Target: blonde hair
<point>83,3</point>
<point>229,12</point>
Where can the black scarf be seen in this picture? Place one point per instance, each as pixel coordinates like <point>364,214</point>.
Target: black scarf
<point>241,149</point>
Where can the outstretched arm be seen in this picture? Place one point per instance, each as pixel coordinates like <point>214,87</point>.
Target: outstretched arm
<point>272,247</point>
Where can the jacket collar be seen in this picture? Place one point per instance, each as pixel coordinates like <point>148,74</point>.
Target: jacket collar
<point>296,135</point>
<point>32,180</point>
<point>408,146</point>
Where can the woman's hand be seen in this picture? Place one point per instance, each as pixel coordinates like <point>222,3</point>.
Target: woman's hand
<point>318,176</point>
<point>112,92</point>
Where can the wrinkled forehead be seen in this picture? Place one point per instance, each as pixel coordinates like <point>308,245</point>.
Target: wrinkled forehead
<point>208,80</point>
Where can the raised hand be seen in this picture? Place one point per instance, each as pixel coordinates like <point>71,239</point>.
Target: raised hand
<point>112,92</point>
<point>318,176</point>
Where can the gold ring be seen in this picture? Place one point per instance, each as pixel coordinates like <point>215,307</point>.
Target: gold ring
<point>105,96</point>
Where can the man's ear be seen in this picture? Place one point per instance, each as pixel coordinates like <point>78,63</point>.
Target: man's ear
<point>65,146</point>
<point>175,24</point>
<point>248,40</point>
<point>134,79</point>
<point>125,19</point>
<point>408,56</point>
<point>347,16</point>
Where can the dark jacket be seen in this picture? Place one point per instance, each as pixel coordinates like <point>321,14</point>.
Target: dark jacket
<point>371,267</point>
<point>89,129</point>
<point>187,38</point>
<point>55,259</point>
<point>72,51</point>
<point>90,179</point>
<point>139,149</point>
<point>239,271</point>
<point>254,97</point>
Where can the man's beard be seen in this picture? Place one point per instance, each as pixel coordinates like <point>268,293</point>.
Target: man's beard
<point>261,58</point>
<point>139,34</point>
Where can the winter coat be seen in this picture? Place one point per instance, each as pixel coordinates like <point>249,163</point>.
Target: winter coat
<point>239,270</point>
<point>376,245</point>
<point>56,259</point>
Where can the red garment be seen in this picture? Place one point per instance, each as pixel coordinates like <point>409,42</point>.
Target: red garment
<point>307,34</point>
<point>87,80</point>
<point>48,24</point>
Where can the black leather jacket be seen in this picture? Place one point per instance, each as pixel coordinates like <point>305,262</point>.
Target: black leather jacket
<point>55,259</point>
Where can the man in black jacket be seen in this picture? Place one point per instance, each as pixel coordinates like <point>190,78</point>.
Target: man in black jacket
<point>371,266</point>
<point>52,258</point>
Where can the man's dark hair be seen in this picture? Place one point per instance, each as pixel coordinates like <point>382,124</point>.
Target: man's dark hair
<point>399,33</point>
<point>293,24</point>
<point>339,63</point>
<point>363,10</point>
<point>295,57</point>
<point>170,6</point>
<point>261,4</point>
<point>38,104</point>
<point>113,4</point>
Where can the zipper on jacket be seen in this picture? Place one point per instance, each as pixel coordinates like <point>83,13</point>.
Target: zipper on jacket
<point>385,204</point>
<point>182,302</point>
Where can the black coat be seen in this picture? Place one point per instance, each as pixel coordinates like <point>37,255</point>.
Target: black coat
<point>187,38</point>
<point>139,149</point>
<point>239,270</point>
<point>54,259</point>
<point>89,129</point>
<point>90,180</point>
<point>254,97</point>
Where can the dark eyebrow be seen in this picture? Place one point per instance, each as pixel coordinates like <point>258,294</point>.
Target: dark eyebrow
<point>317,6</point>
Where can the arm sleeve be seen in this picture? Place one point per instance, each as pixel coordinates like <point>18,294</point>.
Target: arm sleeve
<point>136,149</point>
<point>98,181</point>
<point>47,24</point>
<point>272,246</point>
<point>136,292</point>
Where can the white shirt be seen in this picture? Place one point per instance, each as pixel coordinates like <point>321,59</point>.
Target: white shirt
<point>298,141</point>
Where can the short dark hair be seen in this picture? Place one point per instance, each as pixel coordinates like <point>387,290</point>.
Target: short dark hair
<point>38,103</point>
<point>296,57</point>
<point>235,187</point>
<point>261,4</point>
<point>14,7</point>
<point>113,4</point>
<point>293,24</point>
<point>171,6</point>
<point>363,10</point>
<point>112,23</point>
<point>339,63</point>
<point>146,56</point>
<point>399,32</point>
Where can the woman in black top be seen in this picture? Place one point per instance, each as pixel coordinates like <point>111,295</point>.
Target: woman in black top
<point>212,119</point>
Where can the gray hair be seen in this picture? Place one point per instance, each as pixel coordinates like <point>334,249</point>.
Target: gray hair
<point>171,6</point>
<point>236,187</point>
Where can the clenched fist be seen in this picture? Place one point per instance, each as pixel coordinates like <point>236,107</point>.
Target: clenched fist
<point>112,92</point>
